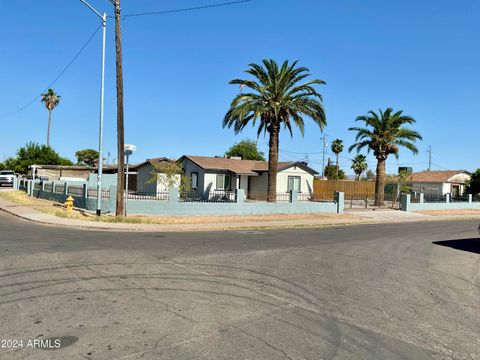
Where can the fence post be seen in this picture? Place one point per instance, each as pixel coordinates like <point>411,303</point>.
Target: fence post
<point>340,199</point>
<point>470,198</point>
<point>293,196</point>
<point>173,194</point>
<point>29,187</point>
<point>405,202</point>
<point>422,198</point>
<point>53,187</point>
<point>15,183</point>
<point>65,190</point>
<point>239,195</point>
<point>448,198</point>
<point>85,191</point>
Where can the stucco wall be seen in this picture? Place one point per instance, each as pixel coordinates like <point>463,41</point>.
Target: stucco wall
<point>258,184</point>
<point>144,179</point>
<point>107,180</point>
<point>189,167</point>
<point>306,180</point>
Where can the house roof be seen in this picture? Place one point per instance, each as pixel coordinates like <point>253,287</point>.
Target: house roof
<point>242,167</point>
<point>435,176</point>
<point>155,162</point>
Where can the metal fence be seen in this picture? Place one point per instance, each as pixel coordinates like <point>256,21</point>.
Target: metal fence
<point>304,197</point>
<point>219,196</point>
<point>75,190</point>
<point>139,195</point>
<point>59,189</point>
<point>105,193</point>
<point>460,198</point>
<point>253,196</point>
<point>434,199</point>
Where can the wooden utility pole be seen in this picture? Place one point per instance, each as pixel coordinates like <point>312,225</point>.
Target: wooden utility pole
<point>119,209</point>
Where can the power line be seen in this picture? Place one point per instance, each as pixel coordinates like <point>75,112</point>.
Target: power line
<point>187,9</point>
<point>58,76</point>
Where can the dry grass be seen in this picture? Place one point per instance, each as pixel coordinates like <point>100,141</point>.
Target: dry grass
<point>45,206</point>
<point>450,212</point>
<point>49,207</point>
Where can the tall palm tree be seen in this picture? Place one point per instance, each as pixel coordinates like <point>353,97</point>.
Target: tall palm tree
<point>275,98</point>
<point>359,165</point>
<point>337,148</point>
<point>383,134</point>
<point>51,100</point>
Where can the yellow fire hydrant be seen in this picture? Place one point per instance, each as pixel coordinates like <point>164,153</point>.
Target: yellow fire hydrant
<point>69,204</point>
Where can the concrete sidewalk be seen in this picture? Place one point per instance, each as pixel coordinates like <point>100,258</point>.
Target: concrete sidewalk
<point>347,218</point>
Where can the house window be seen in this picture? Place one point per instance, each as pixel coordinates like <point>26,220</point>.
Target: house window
<point>294,183</point>
<point>194,180</point>
<point>224,182</point>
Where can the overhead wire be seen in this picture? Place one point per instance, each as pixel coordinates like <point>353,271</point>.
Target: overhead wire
<point>186,9</point>
<point>60,74</point>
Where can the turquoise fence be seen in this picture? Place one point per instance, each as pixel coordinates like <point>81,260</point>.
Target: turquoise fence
<point>447,202</point>
<point>172,203</point>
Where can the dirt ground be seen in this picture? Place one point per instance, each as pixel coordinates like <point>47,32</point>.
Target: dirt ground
<point>450,212</point>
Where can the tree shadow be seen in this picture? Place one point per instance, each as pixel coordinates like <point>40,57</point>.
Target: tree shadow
<point>471,245</point>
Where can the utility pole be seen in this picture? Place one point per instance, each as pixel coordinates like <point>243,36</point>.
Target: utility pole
<point>429,158</point>
<point>120,206</point>
<point>324,138</point>
<point>103,18</point>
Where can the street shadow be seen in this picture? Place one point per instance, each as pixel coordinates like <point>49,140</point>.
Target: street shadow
<point>471,245</point>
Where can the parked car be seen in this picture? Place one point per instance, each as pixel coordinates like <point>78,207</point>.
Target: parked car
<point>6,177</point>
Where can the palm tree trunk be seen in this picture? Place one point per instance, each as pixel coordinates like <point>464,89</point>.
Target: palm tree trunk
<point>380,182</point>
<point>272,164</point>
<point>48,130</point>
<point>337,166</point>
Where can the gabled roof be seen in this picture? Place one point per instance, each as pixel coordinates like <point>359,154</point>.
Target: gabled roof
<point>436,176</point>
<point>155,162</point>
<point>242,167</point>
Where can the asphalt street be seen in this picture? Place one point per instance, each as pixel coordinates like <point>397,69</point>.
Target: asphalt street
<point>390,291</point>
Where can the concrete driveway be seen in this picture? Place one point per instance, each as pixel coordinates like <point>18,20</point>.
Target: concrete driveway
<point>392,291</point>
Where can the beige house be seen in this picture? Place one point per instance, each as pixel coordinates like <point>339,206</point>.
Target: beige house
<point>151,179</point>
<point>439,183</point>
<point>209,174</point>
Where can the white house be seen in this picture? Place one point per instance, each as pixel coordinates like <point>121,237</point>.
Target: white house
<point>439,183</point>
<point>151,178</point>
<point>210,174</point>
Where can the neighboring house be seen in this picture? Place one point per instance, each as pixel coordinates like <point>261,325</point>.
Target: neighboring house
<point>60,172</point>
<point>110,172</point>
<point>439,183</point>
<point>209,174</point>
<point>150,170</point>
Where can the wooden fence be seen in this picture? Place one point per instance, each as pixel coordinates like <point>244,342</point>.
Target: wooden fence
<point>325,189</point>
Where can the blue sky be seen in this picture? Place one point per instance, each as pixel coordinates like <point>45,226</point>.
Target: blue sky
<point>419,56</point>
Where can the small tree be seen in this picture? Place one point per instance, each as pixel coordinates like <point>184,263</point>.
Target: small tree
<point>167,174</point>
<point>34,154</point>
<point>332,172</point>
<point>87,157</point>
<point>247,149</point>
<point>474,183</point>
